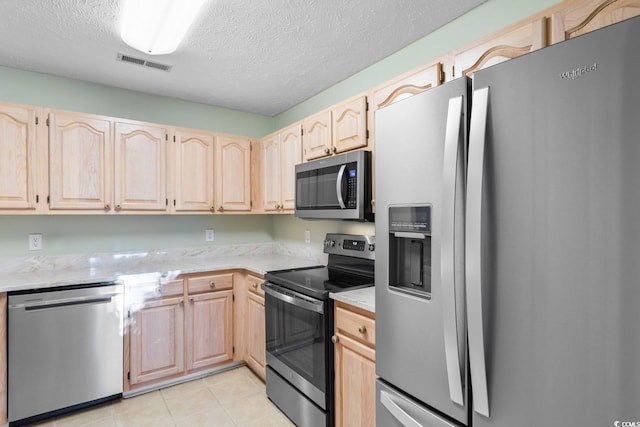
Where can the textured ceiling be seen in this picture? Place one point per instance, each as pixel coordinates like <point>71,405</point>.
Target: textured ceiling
<point>259,56</point>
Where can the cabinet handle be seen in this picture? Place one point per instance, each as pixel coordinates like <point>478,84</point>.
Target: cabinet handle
<point>334,149</point>
<point>118,207</point>
<point>362,329</point>
<point>107,207</point>
<point>327,151</point>
<point>212,284</point>
<point>335,339</point>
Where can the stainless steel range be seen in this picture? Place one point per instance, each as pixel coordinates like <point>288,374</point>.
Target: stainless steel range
<point>299,325</point>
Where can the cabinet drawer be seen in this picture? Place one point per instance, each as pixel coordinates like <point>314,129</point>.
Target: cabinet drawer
<point>213,282</point>
<point>142,289</point>
<point>253,284</point>
<point>356,325</point>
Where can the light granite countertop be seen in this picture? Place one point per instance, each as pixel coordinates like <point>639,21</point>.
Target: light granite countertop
<point>47,272</point>
<point>364,298</point>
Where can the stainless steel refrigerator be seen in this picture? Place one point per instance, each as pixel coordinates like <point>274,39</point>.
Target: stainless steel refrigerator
<point>526,247</point>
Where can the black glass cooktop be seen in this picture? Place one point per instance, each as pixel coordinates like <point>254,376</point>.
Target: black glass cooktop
<point>318,282</point>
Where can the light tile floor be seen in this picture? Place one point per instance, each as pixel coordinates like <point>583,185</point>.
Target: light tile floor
<point>234,398</point>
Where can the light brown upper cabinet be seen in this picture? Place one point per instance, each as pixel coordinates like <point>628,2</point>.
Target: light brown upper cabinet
<point>503,45</point>
<point>18,157</point>
<point>80,162</point>
<point>194,173</point>
<point>279,153</point>
<point>341,128</point>
<point>316,137</point>
<point>407,85</point>
<point>580,17</point>
<point>140,167</point>
<point>233,166</point>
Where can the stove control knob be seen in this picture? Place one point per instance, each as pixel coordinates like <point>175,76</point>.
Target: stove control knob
<point>372,247</point>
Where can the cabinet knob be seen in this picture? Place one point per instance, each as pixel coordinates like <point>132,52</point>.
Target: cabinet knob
<point>327,151</point>
<point>118,207</point>
<point>190,299</point>
<point>254,286</point>
<point>362,329</point>
<point>213,208</point>
<point>158,290</point>
<point>221,209</point>
<point>181,300</point>
<point>107,207</point>
<point>334,149</point>
<point>334,339</point>
<point>212,284</point>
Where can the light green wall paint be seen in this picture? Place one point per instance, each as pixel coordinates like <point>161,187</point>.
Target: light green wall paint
<point>290,229</point>
<point>76,234</point>
<point>72,234</point>
<point>45,90</point>
<point>485,19</point>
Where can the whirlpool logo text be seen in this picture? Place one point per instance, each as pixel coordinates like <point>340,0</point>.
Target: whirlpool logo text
<point>626,423</point>
<point>579,72</point>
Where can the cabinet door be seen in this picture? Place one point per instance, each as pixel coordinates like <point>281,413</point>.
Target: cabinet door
<point>157,340</point>
<point>350,125</point>
<point>194,180</point>
<point>500,47</point>
<point>17,157</point>
<point>140,167</point>
<point>255,338</point>
<point>210,329</point>
<point>585,16</point>
<point>355,376</point>
<point>407,85</point>
<point>233,169</point>
<point>79,162</point>
<point>316,137</point>
<point>290,156</point>
<point>271,172</point>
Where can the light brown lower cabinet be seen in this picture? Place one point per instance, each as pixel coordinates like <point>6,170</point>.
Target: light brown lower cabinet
<point>355,366</point>
<point>157,340</point>
<point>178,328</point>
<point>255,340</point>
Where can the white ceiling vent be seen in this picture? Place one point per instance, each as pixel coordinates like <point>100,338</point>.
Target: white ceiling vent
<point>143,62</point>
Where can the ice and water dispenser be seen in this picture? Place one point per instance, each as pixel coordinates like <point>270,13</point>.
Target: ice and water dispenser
<point>410,249</point>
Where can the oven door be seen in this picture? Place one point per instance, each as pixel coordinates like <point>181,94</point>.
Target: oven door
<point>297,331</point>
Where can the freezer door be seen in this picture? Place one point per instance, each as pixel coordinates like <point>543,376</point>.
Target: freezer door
<point>395,409</point>
<point>553,235</point>
<point>420,328</point>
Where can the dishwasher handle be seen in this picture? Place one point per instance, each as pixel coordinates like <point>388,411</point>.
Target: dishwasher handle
<point>64,302</point>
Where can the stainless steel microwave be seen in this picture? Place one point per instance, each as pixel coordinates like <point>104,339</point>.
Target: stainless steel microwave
<point>336,187</point>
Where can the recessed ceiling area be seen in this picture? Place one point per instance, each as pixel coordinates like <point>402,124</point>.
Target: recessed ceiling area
<point>261,57</point>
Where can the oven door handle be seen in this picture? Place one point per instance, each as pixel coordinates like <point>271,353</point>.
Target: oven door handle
<point>317,307</point>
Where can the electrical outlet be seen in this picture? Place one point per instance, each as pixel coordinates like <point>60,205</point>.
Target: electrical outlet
<point>35,242</point>
<point>209,235</point>
<point>307,236</point>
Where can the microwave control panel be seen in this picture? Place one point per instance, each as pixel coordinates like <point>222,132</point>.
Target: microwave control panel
<point>352,188</point>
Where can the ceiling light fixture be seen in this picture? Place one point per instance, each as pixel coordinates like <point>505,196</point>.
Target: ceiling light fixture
<point>157,27</point>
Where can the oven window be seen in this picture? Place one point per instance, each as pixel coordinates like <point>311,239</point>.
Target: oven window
<point>296,336</point>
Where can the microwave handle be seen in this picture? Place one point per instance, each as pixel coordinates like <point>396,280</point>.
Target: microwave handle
<point>339,186</point>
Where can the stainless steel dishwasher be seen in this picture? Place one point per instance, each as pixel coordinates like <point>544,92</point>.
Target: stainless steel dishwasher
<point>65,349</point>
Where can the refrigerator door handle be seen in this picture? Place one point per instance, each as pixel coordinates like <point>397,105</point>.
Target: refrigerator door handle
<point>394,405</point>
<point>473,251</point>
<point>447,251</point>
<point>397,412</point>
